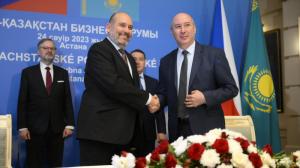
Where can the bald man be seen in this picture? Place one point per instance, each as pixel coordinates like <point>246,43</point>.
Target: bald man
<point>109,119</point>
<point>193,82</point>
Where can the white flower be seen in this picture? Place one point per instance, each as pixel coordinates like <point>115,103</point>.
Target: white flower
<point>267,160</point>
<point>162,156</point>
<point>234,146</point>
<point>123,162</point>
<point>251,148</point>
<point>180,145</point>
<point>233,135</point>
<point>212,135</point>
<point>197,139</point>
<point>178,166</point>
<point>131,160</point>
<point>148,158</point>
<point>286,161</point>
<point>297,154</point>
<point>224,166</point>
<point>240,160</point>
<point>214,132</point>
<point>210,158</point>
<point>264,166</point>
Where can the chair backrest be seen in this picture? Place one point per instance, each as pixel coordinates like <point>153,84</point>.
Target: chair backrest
<point>241,124</point>
<point>5,141</point>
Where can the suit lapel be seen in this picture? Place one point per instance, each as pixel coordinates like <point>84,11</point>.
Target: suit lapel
<point>135,75</point>
<point>40,79</point>
<point>125,66</point>
<point>119,58</point>
<point>55,77</point>
<point>173,70</point>
<point>149,84</point>
<point>196,63</point>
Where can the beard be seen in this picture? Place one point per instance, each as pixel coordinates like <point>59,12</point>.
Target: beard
<point>48,58</point>
<point>115,36</point>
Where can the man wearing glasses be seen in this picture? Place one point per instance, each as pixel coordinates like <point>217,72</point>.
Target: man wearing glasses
<point>45,111</point>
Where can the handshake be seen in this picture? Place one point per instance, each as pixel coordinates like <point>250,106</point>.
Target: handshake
<point>154,104</point>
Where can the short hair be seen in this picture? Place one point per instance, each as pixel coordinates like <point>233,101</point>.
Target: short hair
<point>112,17</point>
<point>43,40</point>
<point>140,51</point>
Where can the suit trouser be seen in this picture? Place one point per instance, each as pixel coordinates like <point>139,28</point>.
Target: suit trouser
<point>100,153</point>
<point>147,147</point>
<point>45,150</point>
<point>184,128</point>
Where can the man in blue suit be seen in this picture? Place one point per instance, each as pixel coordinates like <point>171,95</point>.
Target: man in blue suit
<point>154,125</point>
<point>193,82</point>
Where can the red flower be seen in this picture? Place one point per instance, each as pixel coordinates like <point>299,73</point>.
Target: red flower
<point>224,136</point>
<point>195,151</point>
<point>141,162</point>
<point>243,142</point>
<point>267,148</point>
<point>221,146</point>
<point>170,161</point>
<point>255,160</point>
<point>163,146</point>
<point>155,155</point>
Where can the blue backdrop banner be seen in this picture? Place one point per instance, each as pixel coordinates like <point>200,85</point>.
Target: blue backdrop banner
<point>75,25</point>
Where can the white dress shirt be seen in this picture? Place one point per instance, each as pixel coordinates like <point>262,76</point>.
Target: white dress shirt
<point>190,57</point>
<point>142,81</point>
<point>44,71</point>
<point>129,66</point>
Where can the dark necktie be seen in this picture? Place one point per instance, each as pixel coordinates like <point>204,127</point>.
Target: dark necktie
<point>123,55</point>
<point>48,80</point>
<point>181,110</point>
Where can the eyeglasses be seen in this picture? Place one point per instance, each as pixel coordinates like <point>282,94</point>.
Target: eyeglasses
<point>48,48</point>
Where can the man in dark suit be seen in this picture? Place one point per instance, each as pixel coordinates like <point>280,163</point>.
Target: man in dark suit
<point>45,111</point>
<point>194,81</point>
<point>109,117</point>
<point>154,125</point>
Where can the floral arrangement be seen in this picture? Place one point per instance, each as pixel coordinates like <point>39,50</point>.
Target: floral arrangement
<point>218,148</point>
<point>285,161</point>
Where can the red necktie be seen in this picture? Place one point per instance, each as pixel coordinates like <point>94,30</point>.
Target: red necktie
<point>48,80</point>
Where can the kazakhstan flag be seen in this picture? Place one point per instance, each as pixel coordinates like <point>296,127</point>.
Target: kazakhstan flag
<point>258,94</point>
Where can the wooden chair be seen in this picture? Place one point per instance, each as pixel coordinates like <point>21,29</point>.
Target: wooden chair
<point>5,141</point>
<point>241,124</point>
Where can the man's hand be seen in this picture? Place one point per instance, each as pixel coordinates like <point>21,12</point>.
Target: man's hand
<point>154,104</point>
<point>195,99</point>
<point>67,132</point>
<point>24,134</point>
<point>160,137</point>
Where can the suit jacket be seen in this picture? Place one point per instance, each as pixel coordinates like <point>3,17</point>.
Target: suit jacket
<point>112,99</point>
<point>150,119</point>
<point>211,75</point>
<point>36,108</point>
